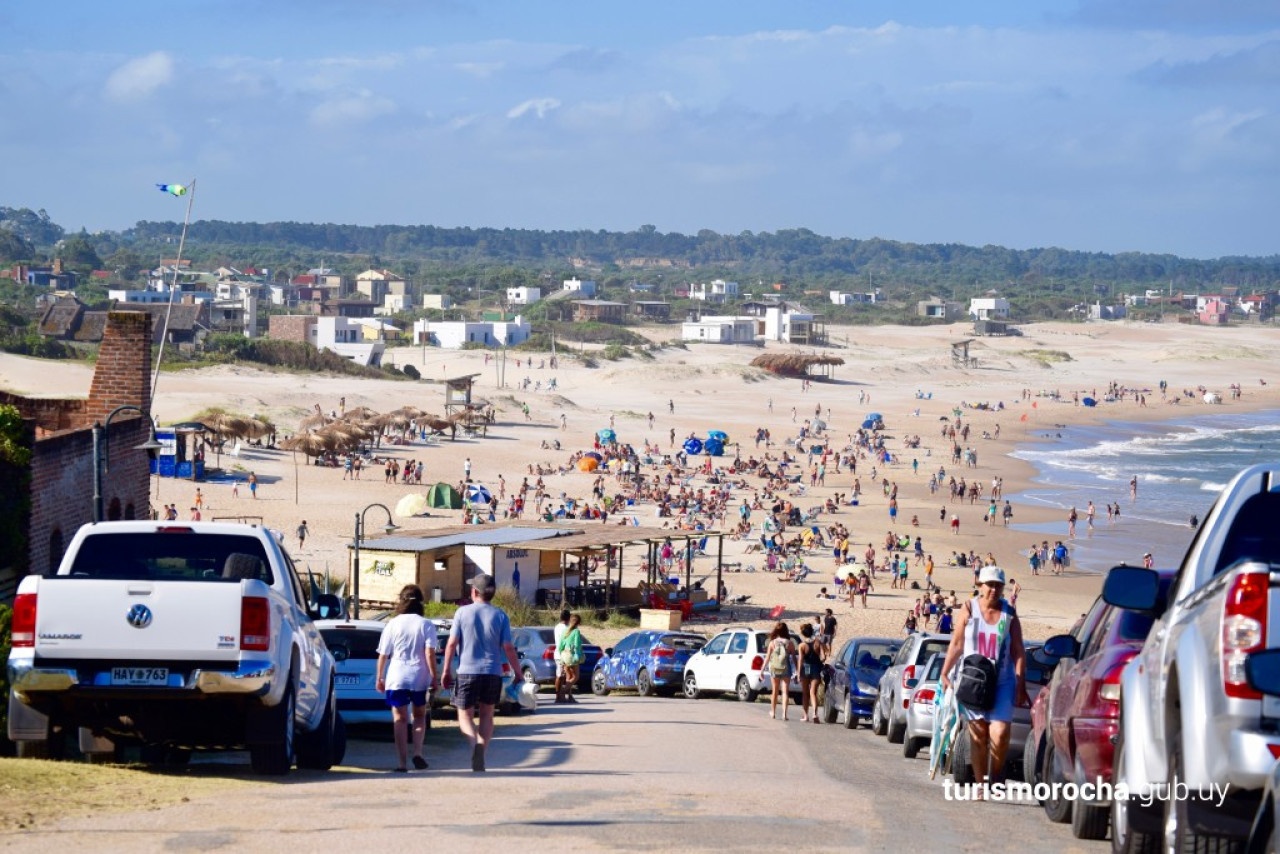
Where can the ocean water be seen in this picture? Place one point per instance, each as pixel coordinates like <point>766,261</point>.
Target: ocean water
<point>1181,467</point>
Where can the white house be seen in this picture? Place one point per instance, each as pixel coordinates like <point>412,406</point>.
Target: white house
<point>989,308</point>
<point>392,303</point>
<point>122,295</point>
<point>717,291</point>
<point>345,336</point>
<point>375,284</point>
<point>234,289</point>
<point>792,327</point>
<point>840,298</point>
<point>452,334</point>
<point>720,329</point>
<point>585,288</point>
<point>235,315</point>
<point>437,301</point>
<point>523,295</point>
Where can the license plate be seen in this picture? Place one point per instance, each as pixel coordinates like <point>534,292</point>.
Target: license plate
<point>139,676</point>
<point>346,681</point>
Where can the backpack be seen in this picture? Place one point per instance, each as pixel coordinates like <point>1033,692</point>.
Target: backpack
<point>778,658</point>
<point>977,681</point>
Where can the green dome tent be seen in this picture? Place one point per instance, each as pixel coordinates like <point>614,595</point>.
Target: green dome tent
<point>444,496</point>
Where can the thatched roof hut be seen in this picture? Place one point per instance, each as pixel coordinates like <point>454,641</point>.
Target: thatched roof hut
<point>795,364</point>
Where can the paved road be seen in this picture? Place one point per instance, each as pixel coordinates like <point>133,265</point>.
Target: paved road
<point>620,773</point>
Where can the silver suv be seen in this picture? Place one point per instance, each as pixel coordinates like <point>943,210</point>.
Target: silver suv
<point>889,713</point>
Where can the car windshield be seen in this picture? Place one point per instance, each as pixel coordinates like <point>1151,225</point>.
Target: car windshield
<point>160,556</point>
<point>546,636</point>
<point>929,647</point>
<point>359,645</point>
<point>872,656</point>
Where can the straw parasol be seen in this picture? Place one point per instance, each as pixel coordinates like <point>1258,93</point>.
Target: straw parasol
<point>311,444</point>
<point>313,421</point>
<point>792,364</point>
<point>410,412</point>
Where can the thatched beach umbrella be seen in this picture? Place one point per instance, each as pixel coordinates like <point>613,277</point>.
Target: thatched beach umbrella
<point>314,421</point>
<point>311,444</point>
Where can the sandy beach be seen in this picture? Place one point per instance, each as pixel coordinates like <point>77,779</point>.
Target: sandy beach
<point>1028,387</point>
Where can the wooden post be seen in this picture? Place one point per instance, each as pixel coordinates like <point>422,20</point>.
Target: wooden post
<point>719,568</point>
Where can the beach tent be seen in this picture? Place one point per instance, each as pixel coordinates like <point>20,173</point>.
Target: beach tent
<point>1089,401</point>
<point>868,424</point>
<point>588,464</point>
<point>718,435</point>
<point>478,494</point>
<point>692,446</point>
<point>442,495</point>
<point>607,435</point>
<point>714,447</point>
<point>874,416</point>
<point>413,504</point>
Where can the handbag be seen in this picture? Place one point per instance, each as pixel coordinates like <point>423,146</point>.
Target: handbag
<point>976,684</point>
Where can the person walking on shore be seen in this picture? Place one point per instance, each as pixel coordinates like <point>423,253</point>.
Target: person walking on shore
<point>481,635</point>
<point>302,534</point>
<point>406,672</point>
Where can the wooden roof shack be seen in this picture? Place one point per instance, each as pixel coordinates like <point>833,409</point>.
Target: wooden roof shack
<point>960,354</point>
<point>798,365</point>
<point>598,311</point>
<point>574,562</point>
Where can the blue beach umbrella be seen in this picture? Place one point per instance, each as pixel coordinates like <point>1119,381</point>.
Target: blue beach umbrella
<point>593,455</point>
<point>607,435</point>
<point>718,435</point>
<point>714,447</point>
<point>692,446</point>
<point>874,416</point>
<point>477,494</point>
<point>1089,401</point>
<point>868,424</point>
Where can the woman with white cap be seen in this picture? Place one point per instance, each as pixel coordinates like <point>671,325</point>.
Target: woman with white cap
<point>988,626</point>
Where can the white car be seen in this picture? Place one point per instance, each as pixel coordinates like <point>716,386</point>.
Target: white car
<point>731,662</point>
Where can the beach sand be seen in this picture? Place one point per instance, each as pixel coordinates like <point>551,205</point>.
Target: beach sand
<point>905,373</point>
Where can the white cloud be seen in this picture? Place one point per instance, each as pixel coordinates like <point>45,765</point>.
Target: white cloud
<point>538,106</point>
<point>482,70</point>
<point>351,108</point>
<point>139,77</point>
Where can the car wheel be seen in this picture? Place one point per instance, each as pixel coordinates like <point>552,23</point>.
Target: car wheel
<point>877,719</point>
<point>644,684</point>
<point>744,692</point>
<point>1089,821</point>
<point>850,719</point>
<point>897,730</point>
<point>1180,835</point>
<point>275,757</point>
<point>1056,807</point>
<point>316,749</point>
<point>1124,811</point>
<point>1031,757</point>
<point>830,714</point>
<point>691,687</point>
<point>599,685</point>
<point>961,767</point>
<point>911,746</point>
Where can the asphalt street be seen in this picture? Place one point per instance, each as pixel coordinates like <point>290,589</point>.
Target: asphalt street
<point>620,773</point>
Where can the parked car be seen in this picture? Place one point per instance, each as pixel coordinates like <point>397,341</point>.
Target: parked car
<point>1076,717</point>
<point>732,661</point>
<point>175,636</point>
<point>1263,671</point>
<point>855,678</point>
<point>1038,673</point>
<point>920,710</point>
<point>650,661</point>
<point>536,649</point>
<point>889,712</point>
<point>1187,712</point>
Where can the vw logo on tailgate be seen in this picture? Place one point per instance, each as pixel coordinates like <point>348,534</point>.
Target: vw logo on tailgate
<point>139,616</point>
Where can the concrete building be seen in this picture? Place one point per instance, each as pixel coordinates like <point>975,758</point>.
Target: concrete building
<point>393,304</point>
<point>717,290</point>
<point>523,295</point>
<point>580,287</point>
<point>376,284</point>
<point>940,309</point>
<point>440,302</point>
<point>792,327</point>
<point>452,334</point>
<point>989,308</point>
<point>342,335</point>
<point>720,329</point>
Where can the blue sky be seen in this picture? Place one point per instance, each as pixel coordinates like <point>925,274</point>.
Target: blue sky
<point>1107,125</point>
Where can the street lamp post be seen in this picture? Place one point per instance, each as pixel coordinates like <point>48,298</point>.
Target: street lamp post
<point>99,437</point>
<point>355,559</point>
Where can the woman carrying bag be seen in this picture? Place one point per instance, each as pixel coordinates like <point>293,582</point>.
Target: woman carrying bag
<point>778,656</point>
<point>570,654</point>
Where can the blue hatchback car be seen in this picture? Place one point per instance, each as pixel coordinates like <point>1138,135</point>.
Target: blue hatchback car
<point>650,661</point>
<point>855,678</point>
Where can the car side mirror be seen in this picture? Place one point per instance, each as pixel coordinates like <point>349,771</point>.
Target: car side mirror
<point>327,607</point>
<point>1133,588</point>
<point>1060,646</point>
<point>1262,669</point>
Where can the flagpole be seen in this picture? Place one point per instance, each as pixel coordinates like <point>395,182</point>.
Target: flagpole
<point>177,265</point>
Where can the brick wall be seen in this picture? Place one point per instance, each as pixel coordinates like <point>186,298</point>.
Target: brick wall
<point>123,372</point>
<point>50,414</point>
<point>290,327</point>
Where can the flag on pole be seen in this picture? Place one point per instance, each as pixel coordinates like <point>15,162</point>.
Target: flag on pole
<point>172,189</point>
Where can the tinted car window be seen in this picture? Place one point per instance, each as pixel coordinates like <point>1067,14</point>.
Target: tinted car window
<point>544,636</point>
<point>1085,630</point>
<point>359,645</point>
<point>625,644</point>
<point>717,645</point>
<point>928,648</point>
<point>686,643</point>
<point>738,645</point>
<point>154,556</point>
<point>762,641</point>
<point>935,668</point>
<point>869,654</point>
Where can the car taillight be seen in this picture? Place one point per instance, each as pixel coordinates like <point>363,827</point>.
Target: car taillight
<point>23,628</point>
<point>908,672</point>
<point>757,663</point>
<point>255,624</point>
<point>663,652</point>
<point>1109,686</point>
<point>1244,630</point>
<point>549,654</point>
<point>924,695</point>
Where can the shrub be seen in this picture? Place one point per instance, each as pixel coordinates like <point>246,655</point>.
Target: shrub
<point>411,372</point>
<point>439,610</point>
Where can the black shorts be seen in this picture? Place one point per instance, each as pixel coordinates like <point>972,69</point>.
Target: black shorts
<point>475,690</point>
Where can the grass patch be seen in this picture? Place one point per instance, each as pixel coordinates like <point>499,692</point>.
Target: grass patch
<point>1048,357</point>
<point>37,792</point>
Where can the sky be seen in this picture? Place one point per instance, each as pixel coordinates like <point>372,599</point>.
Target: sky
<point>1099,125</point>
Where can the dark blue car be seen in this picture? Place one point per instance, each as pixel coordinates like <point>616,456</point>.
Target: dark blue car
<point>855,678</point>
<point>650,661</point>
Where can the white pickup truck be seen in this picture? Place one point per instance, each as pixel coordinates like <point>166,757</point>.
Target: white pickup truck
<point>1197,742</point>
<point>174,636</point>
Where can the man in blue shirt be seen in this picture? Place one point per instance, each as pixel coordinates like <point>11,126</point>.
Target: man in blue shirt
<point>481,637</point>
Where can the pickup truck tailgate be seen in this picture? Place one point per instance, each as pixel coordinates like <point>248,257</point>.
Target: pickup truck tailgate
<point>138,620</point>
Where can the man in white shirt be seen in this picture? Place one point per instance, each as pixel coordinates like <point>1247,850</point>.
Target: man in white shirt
<point>406,672</point>
<point>564,693</point>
